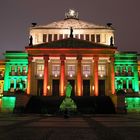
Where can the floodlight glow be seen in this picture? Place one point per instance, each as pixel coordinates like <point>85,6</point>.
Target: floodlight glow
<point>133,104</point>
<point>8,103</point>
<point>40,75</point>
<point>93,88</point>
<point>48,87</point>
<point>101,75</point>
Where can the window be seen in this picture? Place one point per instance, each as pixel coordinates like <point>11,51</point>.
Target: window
<point>97,38</point>
<point>124,84</point>
<point>13,70</point>
<point>49,37</point>
<point>40,69</point>
<point>55,37</point>
<point>123,70</point>
<point>82,36</point>
<point>101,70</point>
<point>24,84</point>
<point>86,70</point>
<point>117,73</point>
<point>55,70</point>
<point>119,84</point>
<point>60,36</point>
<point>18,84</point>
<point>71,70</point>
<point>44,37</point>
<point>1,74</point>
<point>93,38</point>
<point>130,71</point>
<point>18,70</point>
<point>65,35</point>
<point>87,37</point>
<point>76,36</point>
<point>130,84</point>
<point>24,70</point>
<point>11,85</point>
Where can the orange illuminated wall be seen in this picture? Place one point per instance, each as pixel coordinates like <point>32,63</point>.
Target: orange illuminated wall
<point>2,72</point>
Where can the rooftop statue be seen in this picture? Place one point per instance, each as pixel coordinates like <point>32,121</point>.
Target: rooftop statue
<point>71,32</point>
<point>71,14</point>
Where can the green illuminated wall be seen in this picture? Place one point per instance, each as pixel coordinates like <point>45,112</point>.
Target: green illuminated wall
<point>126,71</point>
<point>133,104</point>
<point>8,103</point>
<point>16,69</point>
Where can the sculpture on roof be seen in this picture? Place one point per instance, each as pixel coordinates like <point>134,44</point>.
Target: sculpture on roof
<point>111,41</point>
<point>30,41</point>
<point>71,32</point>
<point>71,14</point>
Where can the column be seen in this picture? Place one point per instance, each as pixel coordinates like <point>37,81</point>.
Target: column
<point>95,73</point>
<point>6,78</point>
<point>112,75</point>
<point>45,85</point>
<point>127,83</point>
<point>62,75</point>
<point>29,75</point>
<point>136,79</point>
<point>79,76</point>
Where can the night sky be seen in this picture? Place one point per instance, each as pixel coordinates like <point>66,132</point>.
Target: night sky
<point>16,17</point>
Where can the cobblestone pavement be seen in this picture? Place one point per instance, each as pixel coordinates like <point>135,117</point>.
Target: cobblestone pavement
<point>86,127</point>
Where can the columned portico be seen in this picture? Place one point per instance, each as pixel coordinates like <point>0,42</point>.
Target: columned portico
<point>62,75</point>
<point>45,89</point>
<point>69,62</point>
<point>79,76</point>
<point>29,75</point>
<point>95,73</point>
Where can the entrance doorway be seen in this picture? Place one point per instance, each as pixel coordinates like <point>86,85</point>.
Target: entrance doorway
<point>72,82</point>
<point>40,87</point>
<point>86,87</point>
<point>55,87</point>
<point>101,87</point>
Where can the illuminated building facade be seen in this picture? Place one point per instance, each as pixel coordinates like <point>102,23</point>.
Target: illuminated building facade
<point>71,50</point>
<point>2,71</point>
<point>139,72</point>
<point>126,71</point>
<point>16,67</point>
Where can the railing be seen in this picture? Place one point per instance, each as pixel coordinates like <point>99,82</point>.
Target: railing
<point>18,73</point>
<point>124,74</point>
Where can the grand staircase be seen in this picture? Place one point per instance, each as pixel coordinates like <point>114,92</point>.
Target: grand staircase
<point>85,105</point>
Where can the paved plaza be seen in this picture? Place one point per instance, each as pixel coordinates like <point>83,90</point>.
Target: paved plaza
<point>85,127</point>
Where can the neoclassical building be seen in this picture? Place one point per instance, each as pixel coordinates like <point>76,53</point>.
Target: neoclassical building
<point>71,50</point>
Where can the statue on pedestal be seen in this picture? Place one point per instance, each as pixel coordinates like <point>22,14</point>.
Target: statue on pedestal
<point>68,89</point>
<point>68,103</point>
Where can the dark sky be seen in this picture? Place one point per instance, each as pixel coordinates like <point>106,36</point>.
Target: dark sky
<point>17,15</point>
